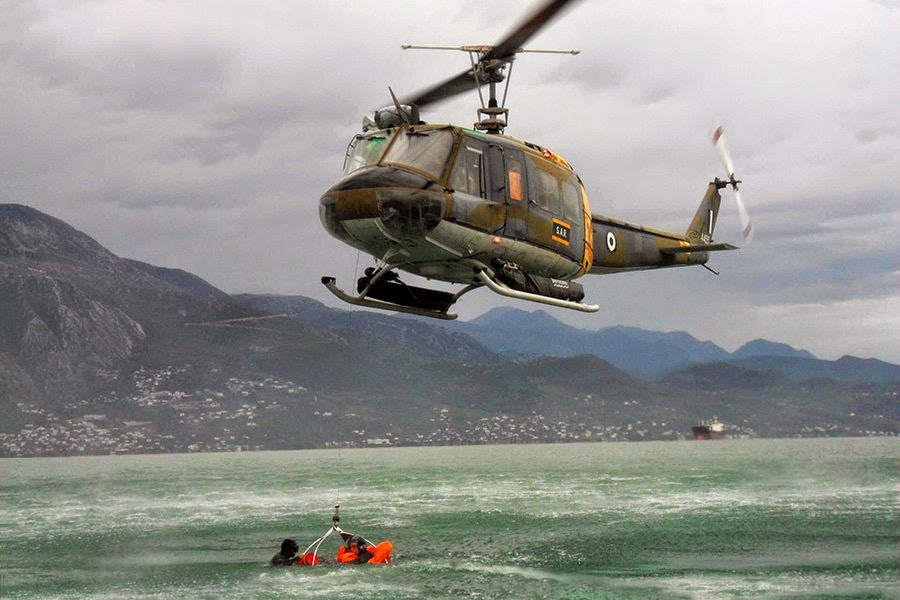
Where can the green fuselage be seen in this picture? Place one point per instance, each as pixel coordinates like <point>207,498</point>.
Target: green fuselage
<point>436,200</point>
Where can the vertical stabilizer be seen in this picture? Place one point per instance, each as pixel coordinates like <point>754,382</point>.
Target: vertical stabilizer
<point>700,231</point>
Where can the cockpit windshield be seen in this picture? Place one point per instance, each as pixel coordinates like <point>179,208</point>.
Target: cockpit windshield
<point>426,150</point>
<point>366,150</point>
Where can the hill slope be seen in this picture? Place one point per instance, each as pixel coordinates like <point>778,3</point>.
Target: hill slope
<point>74,313</point>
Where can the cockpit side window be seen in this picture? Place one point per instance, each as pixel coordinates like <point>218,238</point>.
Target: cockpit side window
<point>366,150</point>
<point>426,150</point>
<point>469,171</point>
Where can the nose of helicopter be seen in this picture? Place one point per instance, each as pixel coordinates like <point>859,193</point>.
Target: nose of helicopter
<point>391,201</point>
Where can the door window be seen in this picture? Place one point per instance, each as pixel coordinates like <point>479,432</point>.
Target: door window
<point>468,173</point>
<point>547,191</point>
<point>515,172</point>
<point>571,199</point>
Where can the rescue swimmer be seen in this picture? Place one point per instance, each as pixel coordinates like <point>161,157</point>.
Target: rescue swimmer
<point>287,556</point>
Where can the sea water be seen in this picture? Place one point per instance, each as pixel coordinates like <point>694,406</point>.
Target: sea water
<point>793,519</point>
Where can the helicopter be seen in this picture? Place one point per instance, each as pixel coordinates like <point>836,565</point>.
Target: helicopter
<point>475,207</point>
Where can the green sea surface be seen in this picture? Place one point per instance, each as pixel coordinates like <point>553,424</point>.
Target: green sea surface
<point>795,519</point>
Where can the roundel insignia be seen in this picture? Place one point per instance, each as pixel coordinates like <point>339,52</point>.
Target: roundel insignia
<point>611,241</point>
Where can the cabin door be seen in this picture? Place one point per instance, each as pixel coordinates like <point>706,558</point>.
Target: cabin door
<point>517,208</point>
<point>479,185</point>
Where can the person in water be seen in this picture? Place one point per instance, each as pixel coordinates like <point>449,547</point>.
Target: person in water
<point>287,555</point>
<point>358,551</point>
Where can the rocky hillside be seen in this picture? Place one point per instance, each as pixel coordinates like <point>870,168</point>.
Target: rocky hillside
<point>74,314</point>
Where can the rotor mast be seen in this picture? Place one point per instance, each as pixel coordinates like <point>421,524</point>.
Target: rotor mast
<point>489,70</point>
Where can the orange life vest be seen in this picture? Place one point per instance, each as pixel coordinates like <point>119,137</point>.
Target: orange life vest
<point>345,555</point>
<point>308,559</point>
<point>381,554</point>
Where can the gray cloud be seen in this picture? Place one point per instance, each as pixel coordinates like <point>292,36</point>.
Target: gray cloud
<point>127,77</point>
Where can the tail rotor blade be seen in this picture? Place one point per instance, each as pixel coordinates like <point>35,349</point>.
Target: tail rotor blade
<point>746,225</point>
<point>719,141</point>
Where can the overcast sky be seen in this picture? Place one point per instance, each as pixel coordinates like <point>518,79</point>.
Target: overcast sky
<point>200,135</point>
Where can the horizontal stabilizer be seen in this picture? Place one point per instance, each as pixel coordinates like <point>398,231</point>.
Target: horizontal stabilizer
<point>697,248</point>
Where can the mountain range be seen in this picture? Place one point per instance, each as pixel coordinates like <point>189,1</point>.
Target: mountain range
<point>100,353</point>
<point>515,334</point>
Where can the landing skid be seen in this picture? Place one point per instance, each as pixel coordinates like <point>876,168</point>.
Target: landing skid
<point>382,289</point>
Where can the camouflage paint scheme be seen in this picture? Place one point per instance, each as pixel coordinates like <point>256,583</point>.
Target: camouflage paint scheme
<point>414,218</point>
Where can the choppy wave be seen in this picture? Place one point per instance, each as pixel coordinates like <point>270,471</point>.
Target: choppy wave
<point>811,518</point>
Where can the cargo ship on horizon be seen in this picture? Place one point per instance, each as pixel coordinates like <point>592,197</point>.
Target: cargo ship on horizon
<point>709,430</point>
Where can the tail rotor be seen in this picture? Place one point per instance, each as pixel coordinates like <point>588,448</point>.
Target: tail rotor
<point>719,141</point>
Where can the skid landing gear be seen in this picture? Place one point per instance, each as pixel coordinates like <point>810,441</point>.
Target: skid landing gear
<point>381,288</point>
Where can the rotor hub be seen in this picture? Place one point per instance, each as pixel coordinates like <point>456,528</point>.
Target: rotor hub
<point>489,67</point>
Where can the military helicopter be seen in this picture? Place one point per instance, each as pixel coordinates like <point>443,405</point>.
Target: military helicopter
<point>482,209</point>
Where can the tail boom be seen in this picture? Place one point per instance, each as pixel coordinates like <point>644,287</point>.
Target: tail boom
<point>621,246</point>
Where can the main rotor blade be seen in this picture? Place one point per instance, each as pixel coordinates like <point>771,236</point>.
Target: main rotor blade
<point>524,32</point>
<point>465,81</point>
